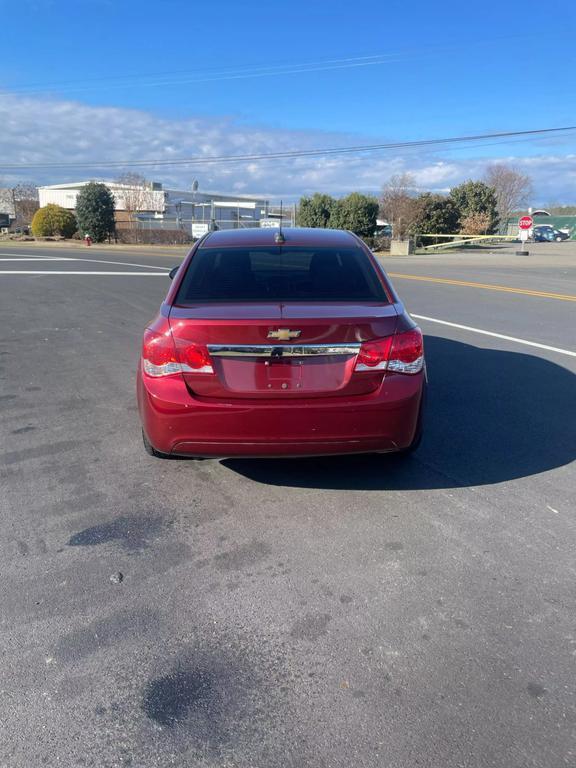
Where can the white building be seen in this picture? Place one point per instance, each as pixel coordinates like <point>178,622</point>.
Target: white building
<point>126,197</point>
<point>153,206</point>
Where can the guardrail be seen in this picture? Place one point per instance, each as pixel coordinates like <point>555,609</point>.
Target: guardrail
<point>458,240</point>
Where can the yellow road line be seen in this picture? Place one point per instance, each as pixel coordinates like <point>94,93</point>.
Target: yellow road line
<point>485,286</point>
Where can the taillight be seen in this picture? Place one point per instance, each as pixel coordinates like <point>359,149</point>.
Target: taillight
<point>195,358</point>
<point>373,355</point>
<point>403,353</point>
<point>162,357</point>
<point>407,355</point>
<point>159,354</point>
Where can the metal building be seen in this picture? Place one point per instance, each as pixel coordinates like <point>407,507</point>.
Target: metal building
<point>154,207</point>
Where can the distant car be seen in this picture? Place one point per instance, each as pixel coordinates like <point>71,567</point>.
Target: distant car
<point>544,233</point>
<point>281,344</point>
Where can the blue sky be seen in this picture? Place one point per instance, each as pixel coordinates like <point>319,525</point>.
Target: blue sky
<point>122,79</point>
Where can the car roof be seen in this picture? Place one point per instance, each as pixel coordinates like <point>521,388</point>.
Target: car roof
<point>266,236</point>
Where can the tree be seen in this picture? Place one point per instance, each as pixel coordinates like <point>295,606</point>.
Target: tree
<point>476,197</point>
<point>315,211</point>
<point>397,204</point>
<point>95,211</point>
<point>135,194</point>
<point>554,209</point>
<point>512,188</point>
<point>435,214</point>
<point>25,197</point>
<point>475,224</point>
<point>53,220</point>
<point>357,213</point>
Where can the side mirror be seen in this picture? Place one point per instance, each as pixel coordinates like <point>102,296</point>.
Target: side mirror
<point>173,272</point>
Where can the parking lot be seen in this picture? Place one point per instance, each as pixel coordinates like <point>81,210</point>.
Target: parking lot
<point>361,611</point>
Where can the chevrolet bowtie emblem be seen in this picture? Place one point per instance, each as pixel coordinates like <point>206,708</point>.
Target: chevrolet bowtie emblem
<point>283,334</point>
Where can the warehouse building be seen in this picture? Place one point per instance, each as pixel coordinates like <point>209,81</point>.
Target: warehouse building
<point>153,207</point>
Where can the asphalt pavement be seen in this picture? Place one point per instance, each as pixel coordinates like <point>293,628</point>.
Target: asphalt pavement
<point>324,613</point>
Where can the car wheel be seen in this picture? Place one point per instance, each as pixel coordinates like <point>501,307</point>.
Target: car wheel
<point>559,239</point>
<point>151,451</point>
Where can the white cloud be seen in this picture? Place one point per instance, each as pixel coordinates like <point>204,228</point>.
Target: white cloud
<point>58,131</point>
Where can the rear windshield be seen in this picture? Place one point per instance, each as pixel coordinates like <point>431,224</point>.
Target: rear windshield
<point>280,273</point>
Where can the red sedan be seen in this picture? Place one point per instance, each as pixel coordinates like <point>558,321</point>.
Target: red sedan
<point>287,343</point>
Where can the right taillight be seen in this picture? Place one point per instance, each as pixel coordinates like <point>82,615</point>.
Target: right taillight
<point>161,356</point>
<point>407,353</point>
<point>402,353</point>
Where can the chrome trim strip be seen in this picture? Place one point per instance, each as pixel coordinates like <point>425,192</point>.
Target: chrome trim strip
<point>283,350</point>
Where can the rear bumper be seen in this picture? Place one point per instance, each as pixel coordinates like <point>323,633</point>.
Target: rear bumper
<point>178,423</point>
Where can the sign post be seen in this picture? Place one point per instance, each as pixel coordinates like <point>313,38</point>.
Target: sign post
<point>525,224</point>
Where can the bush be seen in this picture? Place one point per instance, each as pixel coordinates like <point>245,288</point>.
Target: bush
<point>475,224</point>
<point>53,220</point>
<point>475,197</point>
<point>356,213</point>
<point>153,237</point>
<point>315,211</point>
<point>95,211</point>
<point>435,214</point>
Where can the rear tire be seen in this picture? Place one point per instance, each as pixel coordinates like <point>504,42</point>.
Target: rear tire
<point>151,451</point>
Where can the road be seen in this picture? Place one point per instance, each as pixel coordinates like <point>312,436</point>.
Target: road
<point>324,613</point>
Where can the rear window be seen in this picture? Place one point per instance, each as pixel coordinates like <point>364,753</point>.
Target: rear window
<point>280,274</point>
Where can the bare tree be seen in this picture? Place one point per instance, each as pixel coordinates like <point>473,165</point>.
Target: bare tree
<point>25,197</point>
<point>136,195</point>
<point>512,188</point>
<point>397,204</point>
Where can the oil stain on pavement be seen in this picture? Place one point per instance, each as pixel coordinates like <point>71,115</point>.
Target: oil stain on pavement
<point>131,532</point>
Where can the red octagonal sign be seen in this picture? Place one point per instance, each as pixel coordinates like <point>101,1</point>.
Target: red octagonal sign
<point>526,222</point>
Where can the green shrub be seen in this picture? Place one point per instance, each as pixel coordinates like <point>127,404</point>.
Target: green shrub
<point>475,197</point>
<point>53,220</point>
<point>315,211</point>
<point>95,211</point>
<point>356,213</point>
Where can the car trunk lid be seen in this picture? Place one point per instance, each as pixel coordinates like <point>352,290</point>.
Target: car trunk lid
<point>282,350</point>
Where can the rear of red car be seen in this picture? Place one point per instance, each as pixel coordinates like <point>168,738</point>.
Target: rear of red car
<point>285,345</point>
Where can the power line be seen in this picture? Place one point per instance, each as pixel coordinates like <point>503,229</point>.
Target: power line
<point>212,74</point>
<point>433,152</point>
<point>291,154</point>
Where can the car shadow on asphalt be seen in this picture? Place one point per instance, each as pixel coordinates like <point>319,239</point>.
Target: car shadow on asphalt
<point>491,416</point>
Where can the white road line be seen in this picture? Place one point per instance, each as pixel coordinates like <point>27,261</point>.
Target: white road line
<point>124,264</point>
<point>31,257</point>
<point>496,335</point>
<point>57,272</point>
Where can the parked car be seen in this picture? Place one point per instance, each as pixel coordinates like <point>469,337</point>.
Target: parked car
<point>384,231</point>
<point>281,344</point>
<point>546,233</point>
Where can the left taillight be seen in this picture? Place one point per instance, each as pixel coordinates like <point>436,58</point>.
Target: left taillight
<point>161,356</point>
<point>373,355</point>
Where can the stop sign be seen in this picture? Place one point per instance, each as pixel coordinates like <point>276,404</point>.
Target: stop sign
<point>525,222</point>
